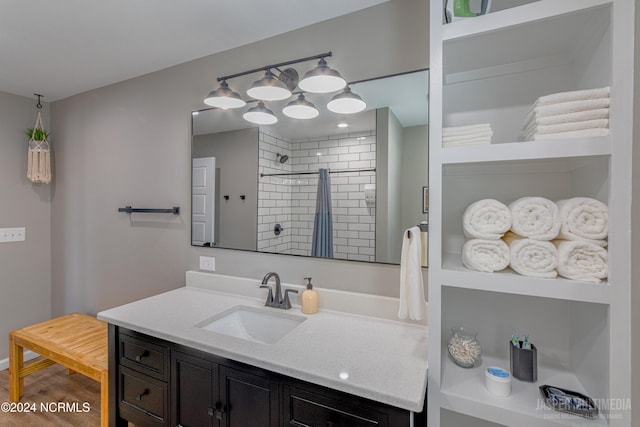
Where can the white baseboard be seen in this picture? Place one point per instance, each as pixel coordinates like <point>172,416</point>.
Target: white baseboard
<point>28,355</point>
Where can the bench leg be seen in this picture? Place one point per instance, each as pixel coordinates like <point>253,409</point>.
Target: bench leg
<point>104,399</point>
<point>16,363</point>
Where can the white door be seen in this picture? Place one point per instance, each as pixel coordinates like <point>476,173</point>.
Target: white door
<point>203,201</point>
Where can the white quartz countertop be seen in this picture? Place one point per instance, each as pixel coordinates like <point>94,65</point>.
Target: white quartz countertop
<point>378,359</point>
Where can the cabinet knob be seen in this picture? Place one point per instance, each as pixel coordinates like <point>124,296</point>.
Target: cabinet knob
<point>140,356</point>
<point>217,412</point>
<point>144,393</point>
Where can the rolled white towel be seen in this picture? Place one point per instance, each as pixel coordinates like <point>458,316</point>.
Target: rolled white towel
<point>584,218</point>
<point>574,95</point>
<point>582,260</point>
<point>534,258</point>
<point>485,255</point>
<point>535,217</point>
<point>486,219</point>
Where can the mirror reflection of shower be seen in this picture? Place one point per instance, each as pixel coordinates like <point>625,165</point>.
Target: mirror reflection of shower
<point>282,158</point>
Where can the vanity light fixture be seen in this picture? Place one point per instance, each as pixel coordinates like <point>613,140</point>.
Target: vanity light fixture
<point>270,88</point>
<point>260,115</point>
<point>300,109</point>
<point>224,97</point>
<point>346,102</point>
<point>279,83</point>
<point>322,79</point>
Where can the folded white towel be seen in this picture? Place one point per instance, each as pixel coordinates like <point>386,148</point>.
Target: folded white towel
<point>578,116</point>
<point>477,141</point>
<point>465,130</point>
<point>460,138</point>
<point>535,217</point>
<point>583,133</point>
<point>411,286</point>
<point>581,260</point>
<point>534,258</point>
<point>575,95</point>
<point>584,218</point>
<point>486,219</point>
<point>565,108</point>
<point>566,127</point>
<point>485,255</point>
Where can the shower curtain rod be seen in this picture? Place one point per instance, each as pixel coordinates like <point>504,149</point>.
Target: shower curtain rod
<point>316,172</point>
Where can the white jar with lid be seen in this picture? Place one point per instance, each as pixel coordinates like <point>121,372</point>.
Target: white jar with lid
<point>498,381</point>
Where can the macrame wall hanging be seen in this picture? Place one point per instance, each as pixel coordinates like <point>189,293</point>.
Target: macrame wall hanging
<point>38,154</point>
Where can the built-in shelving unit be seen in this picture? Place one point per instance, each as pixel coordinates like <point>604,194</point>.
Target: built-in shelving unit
<point>491,69</point>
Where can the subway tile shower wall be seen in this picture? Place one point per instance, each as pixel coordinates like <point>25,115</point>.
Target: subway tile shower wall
<point>291,200</point>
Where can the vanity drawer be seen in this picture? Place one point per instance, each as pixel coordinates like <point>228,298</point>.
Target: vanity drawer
<point>143,400</point>
<point>304,408</point>
<point>144,356</point>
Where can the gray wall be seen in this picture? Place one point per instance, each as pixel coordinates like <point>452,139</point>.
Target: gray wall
<point>415,174</point>
<point>128,143</point>
<point>25,267</point>
<point>635,227</point>
<point>236,154</point>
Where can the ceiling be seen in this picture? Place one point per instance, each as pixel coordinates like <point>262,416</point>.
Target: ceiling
<point>64,47</point>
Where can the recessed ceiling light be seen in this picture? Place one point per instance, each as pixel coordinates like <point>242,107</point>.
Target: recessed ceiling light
<point>342,125</point>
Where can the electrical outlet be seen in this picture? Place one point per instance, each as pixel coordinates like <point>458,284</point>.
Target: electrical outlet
<point>207,263</point>
<point>16,234</point>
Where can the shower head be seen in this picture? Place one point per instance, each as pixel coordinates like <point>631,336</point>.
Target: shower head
<point>282,158</point>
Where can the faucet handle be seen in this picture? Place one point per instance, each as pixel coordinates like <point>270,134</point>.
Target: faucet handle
<point>287,302</point>
<point>270,295</point>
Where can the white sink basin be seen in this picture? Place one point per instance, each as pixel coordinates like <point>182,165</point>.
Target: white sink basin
<point>252,324</point>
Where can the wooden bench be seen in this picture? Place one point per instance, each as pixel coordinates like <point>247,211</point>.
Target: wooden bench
<point>76,341</point>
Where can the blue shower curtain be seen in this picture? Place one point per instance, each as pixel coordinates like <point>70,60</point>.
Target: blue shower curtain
<point>323,223</point>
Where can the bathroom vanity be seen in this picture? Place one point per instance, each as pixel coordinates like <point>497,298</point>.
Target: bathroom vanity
<point>169,365</point>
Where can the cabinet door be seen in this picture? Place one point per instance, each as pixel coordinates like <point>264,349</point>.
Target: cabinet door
<point>195,391</point>
<point>250,400</point>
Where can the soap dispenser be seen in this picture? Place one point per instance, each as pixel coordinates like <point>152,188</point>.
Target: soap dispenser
<point>309,298</point>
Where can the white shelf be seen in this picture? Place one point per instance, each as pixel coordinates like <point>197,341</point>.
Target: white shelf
<point>463,391</point>
<point>539,34</point>
<point>515,17</point>
<point>532,150</point>
<point>454,274</point>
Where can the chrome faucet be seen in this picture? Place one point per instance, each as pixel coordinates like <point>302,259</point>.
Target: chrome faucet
<point>276,300</point>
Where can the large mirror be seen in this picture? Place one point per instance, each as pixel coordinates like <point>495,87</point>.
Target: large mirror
<point>316,187</point>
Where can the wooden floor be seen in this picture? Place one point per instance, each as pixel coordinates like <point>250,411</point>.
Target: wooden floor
<point>50,386</point>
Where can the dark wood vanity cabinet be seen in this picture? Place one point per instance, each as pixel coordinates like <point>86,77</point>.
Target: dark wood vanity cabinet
<point>159,383</point>
<point>208,394</point>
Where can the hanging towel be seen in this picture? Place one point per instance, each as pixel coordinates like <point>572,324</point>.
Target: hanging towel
<point>486,219</point>
<point>322,245</point>
<point>584,218</point>
<point>535,217</point>
<point>576,95</point>
<point>485,255</point>
<point>581,260</point>
<point>534,258</point>
<point>412,303</point>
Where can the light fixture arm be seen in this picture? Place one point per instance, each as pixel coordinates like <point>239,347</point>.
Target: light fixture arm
<point>276,66</point>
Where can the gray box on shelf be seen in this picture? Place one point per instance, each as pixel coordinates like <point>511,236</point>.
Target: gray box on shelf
<point>524,362</point>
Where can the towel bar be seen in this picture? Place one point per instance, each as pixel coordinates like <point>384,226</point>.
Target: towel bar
<point>128,209</point>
